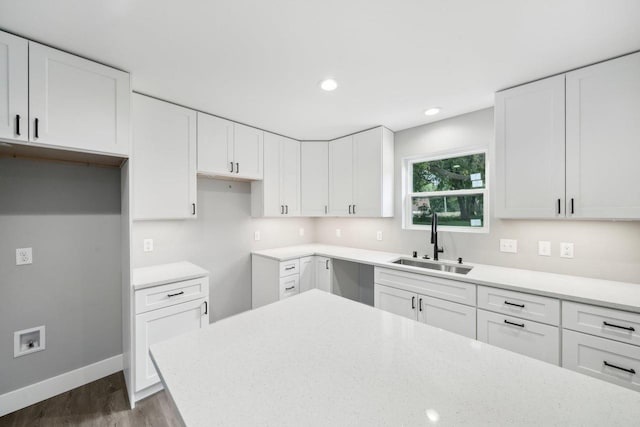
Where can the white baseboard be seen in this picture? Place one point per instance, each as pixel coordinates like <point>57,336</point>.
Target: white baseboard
<point>34,393</point>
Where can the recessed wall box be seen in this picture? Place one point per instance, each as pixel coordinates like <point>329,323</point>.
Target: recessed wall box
<point>28,341</point>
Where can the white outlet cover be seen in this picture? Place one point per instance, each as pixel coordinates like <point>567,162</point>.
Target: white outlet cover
<point>544,248</point>
<point>147,245</point>
<point>379,235</point>
<point>256,236</point>
<point>24,256</point>
<point>509,246</point>
<point>566,250</point>
<point>301,231</point>
<point>338,232</point>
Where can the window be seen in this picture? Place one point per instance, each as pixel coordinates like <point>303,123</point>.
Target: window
<point>453,186</point>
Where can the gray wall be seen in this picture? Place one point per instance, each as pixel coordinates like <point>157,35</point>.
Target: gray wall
<point>603,249</point>
<point>220,240</point>
<point>70,216</point>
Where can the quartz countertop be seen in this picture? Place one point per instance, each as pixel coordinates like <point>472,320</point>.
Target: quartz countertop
<point>344,363</point>
<point>619,295</point>
<point>146,277</point>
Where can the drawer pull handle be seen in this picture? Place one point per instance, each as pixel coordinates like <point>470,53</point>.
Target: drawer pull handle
<point>629,370</point>
<point>289,288</point>
<point>176,294</point>
<point>413,303</point>
<point>420,304</point>
<point>514,304</point>
<point>290,268</point>
<point>519,325</point>
<point>626,328</point>
<point>206,308</point>
<point>18,124</point>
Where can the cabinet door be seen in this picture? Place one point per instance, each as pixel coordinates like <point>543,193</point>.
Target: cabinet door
<point>367,173</point>
<point>270,193</point>
<point>532,339</point>
<point>457,318</point>
<point>14,90</point>
<point>76,103</point>
<point>164,156</point>
<point>341,176</point>
<point>290,176</point>
<point>307,273</point>
<point>314,165</point>
<point>603,134</point>
<point>323,273</point>
<point>397,301</point>
<point>160,325</point>
<point>530,158</point>
<point>289,286</point>
<point>247,151</point>
<point>215,145</point>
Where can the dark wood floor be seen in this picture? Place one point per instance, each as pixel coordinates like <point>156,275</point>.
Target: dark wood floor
<point>101,403</point>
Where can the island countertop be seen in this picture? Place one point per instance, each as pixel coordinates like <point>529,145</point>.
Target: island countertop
<point>318,360</point>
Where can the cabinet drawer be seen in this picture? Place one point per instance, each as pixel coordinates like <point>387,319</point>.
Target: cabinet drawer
<point>170,294</point>
<point>450,290</point>
<point>287,268</point>
<point>529,338</point>
<point>289,286</point>
<point>526,306</point>
<point>457,318</point>
<point>602,358</point>
<point>604,322</point>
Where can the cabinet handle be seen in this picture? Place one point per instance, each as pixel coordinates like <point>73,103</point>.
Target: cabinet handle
<point>18,124</point>
<point>231,163</point>
<point>611,365</point>
<point>35,130</point>
<point>519,325</point>
<point>559,206</point>
<point>290,268</point>
<point>206,308</point>
<point>514,304</point>
<point>281,209</point>
<point>413,303</point>
<point>349,209</point>
<point>572,210</point>
<point>626,328</point>
<point>176,294</point>
<point>289,288</point>
<point>193,208</point>
<point>237,167</point>
<point>354,209</point>
<point>286,209</point>
<point>420,304</point>
<point>326,264</point>
<point>326,209</point>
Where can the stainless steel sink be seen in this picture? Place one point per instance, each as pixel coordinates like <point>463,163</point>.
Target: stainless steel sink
<point>432,265</point>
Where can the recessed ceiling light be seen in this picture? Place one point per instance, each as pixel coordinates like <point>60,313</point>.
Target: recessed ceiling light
<point>432,111</point>
<point>329,85</point>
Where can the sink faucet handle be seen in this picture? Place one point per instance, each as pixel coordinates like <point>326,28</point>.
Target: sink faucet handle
<point>459,260</point>
<point>415,254</point>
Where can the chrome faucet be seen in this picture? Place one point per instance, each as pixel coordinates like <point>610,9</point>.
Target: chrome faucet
<point>434,237</point>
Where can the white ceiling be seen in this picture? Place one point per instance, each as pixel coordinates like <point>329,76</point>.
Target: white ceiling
<point>259,62</point>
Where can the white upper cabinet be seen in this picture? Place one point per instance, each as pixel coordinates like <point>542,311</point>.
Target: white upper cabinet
<point>314,181</point>
<point>164,160</point>
<point>278,194</point>
<point>530,163</point>
<point>603,140</point>
<point>76,103</point>
<point>361,174</point>
<point>14,90</point>
<point>228,149</point>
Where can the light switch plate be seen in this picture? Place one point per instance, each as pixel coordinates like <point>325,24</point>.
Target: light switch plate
<point>566,250</point>
<point>301,231</point>
<point>509,245</point>
<point>338,232</point>
<point>256,236</point>
<point>147,245</point>
<point>544,248</point>
<point>379,235</point>
<point>24,256</point>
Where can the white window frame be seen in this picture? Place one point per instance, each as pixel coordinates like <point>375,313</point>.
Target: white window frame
<point>408,194</point>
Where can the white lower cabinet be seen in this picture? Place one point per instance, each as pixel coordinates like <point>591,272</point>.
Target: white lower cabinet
<point>447,315</point>
<point>307,273</point>
<point>526,337</point>
<point>323,274</point>
<point>396,301</point>
<point>163,324</point>
<point>289,286</point>
<point>602,358</point>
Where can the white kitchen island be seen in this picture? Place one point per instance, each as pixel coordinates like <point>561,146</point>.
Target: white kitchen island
<point>321,360</point>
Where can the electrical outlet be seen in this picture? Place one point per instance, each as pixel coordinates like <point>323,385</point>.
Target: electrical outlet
<point>338,232</point>
<point>379,235</point>
<point>566,250</point>
<point>147,245</point>
<point>544,248</point>
<point>301,231</point>
<point>509,245</point>
<point>24,256</point>
<point>256,236</point>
